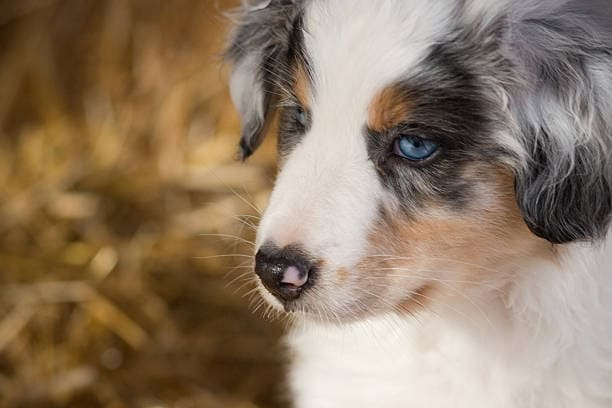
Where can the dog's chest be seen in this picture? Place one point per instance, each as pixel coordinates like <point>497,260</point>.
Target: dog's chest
<point>395,364</point>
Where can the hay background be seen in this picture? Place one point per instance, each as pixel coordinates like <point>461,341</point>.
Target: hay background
<point>118,190</point>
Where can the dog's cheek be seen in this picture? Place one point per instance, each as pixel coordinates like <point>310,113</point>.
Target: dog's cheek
<point>436,253</point>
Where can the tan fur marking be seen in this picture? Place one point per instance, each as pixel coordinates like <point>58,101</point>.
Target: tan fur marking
<point>302,87</point>
<point>441,253</point>
<point>342,275</point>
<point>389,108</point>
<point>418,300</point>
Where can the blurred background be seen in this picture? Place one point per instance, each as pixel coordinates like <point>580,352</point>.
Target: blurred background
<point>125,222</point>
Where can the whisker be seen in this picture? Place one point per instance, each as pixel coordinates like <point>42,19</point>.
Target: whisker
<point>241,220</point>
<point>411,275</point>
<point>244,200</point>
<point>235,237</point>
<point>427,257</point>
<point>247,282</point>
<point>245,276</point>
<point>223,256</point>
<point>237,268</point>
<point>463,295</point>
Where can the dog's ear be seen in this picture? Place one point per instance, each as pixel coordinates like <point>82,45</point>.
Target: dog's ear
<point>563,108</point>
<point>257,50</point>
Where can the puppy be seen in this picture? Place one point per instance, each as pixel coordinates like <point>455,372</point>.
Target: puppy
<point>440,224</point>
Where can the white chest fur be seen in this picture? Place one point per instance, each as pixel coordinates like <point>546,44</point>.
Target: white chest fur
<point>395,363</point>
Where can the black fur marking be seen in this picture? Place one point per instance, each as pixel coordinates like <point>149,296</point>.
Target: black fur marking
<point>577,207</point>
<point>291,131</point>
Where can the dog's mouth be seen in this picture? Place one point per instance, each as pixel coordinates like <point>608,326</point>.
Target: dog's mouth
<point>297,306</point>
<point>327,312</point>
<point>326,305</point>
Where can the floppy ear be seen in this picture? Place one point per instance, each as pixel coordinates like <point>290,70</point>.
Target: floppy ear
<point>563,108</point>
<point>258,48</point>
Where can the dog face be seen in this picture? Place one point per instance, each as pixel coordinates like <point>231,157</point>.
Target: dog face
<point>427,148</point>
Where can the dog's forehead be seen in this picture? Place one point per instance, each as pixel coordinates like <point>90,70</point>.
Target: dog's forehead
<point>356,49</point>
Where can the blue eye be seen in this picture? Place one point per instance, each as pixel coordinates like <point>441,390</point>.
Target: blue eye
<point>414,148</point>
<point>301,116</point>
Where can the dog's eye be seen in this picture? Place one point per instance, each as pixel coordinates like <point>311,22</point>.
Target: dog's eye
<point>300,116</point>
<point>414,148</point>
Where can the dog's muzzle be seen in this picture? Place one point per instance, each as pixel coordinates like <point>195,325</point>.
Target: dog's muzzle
<point>285,272</point>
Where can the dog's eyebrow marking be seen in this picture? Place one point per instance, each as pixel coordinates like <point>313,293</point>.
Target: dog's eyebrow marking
<point>301,87</point>
<point>389,108</point>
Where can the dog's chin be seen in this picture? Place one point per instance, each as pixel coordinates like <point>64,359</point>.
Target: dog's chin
<point>308,310</point>
<point>321,312</point>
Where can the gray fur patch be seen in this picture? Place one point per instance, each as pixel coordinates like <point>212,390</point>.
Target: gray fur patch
<point>258,51</point>
<point>562,101</point>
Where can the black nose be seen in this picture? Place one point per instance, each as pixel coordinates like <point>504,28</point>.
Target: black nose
<point>285,272</point>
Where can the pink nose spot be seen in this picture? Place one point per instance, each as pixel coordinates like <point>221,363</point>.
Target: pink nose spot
<point>295,277</point>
